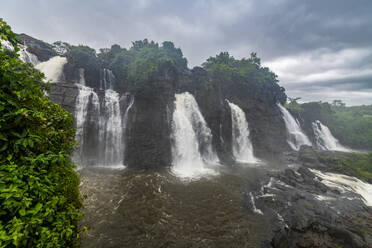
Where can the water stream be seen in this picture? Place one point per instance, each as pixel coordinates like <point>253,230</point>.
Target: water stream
<point>241,144</point>
<point>297,137</point>
<point>192,150</point>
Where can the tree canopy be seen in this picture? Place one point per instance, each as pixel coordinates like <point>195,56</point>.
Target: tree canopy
<point>224,68</point>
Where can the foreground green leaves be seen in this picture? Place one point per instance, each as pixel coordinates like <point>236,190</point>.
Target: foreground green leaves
<point>39,197</point>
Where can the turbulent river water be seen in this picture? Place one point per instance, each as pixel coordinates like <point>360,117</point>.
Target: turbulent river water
<point>125,208</point>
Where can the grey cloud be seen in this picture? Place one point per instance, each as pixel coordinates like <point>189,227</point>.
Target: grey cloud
<point>276,29</point>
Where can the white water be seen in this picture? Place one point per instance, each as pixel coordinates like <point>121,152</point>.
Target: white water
<point>110,128</point>
<point>325,140</point>
<point>241,145</point>
<point>26,56</point>
<point>189,133</point>
<point>84,97</point>
<point>126,118</point>
<point>346,183</point>
<point>6,45</point>
<point>107,80</point>
<point>254,208</point>
<point>53,68</point>
<point>297,138</point>
<point>81,76</point>
<point>113,130</point>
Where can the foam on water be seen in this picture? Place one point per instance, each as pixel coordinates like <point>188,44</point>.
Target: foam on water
<point>53,68</point>
<point>346,183</point>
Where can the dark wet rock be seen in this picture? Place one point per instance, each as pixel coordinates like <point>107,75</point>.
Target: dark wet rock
<point>149,138</point>
<point>65,95</point>
<point>41,49</point>
<point>314,214</point>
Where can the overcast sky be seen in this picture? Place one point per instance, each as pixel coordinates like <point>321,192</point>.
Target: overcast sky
<point>321,49</point>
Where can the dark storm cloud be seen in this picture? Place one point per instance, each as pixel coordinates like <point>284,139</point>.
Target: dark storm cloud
<point>311,45</point>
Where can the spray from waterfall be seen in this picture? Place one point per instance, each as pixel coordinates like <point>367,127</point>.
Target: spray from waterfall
<point>241,145</point>
<point>192,150</point>
<point>325,140</point>
<point>53,68</point>
<point>296,138</point>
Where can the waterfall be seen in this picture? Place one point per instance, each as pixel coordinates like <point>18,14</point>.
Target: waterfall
<point>99,120</point>
<point>126,118</point>
<point>241,145</point>
<point>111,130</point>
<point>192,150</point>
<point>5,44</point>
<point>297,138</point>
<point>325,140</point>
<point>107,79</point>
<point>26,56</point>
<point>84,97</point>
<point>53,68</point>
<point>81,76</point>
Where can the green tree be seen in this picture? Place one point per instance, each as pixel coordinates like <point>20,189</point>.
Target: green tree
<point>39,196</point>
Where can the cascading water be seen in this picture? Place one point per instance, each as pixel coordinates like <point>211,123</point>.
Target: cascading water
<point>102,113</point>
<point>190,134</point>
<point>345,183</point>
<point>81,80</point>
<point>111,124</point>
<point>6,45</point>
<point>24,55</point>
<point>27,57</point>
<point>241,145</point>
<point>126,118</point>
<point>297,138</point>
<point>84,97</point>
<point>53,68</point>
<point>325,140</point>
<point>108,79</point>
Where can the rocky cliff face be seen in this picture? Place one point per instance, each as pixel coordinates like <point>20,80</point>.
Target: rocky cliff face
<point>148,142</point>
<point>42,50</point>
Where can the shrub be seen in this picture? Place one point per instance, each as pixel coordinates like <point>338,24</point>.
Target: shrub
<point>39,197</point>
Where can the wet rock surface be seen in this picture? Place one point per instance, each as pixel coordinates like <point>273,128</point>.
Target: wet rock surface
<point>306,212</point>
<point>41,49</point>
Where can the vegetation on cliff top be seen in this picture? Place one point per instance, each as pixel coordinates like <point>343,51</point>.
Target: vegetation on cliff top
<point>146,61</point>
<point>249,74</point>
<point>135,66</point>
<point>39,197</point>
